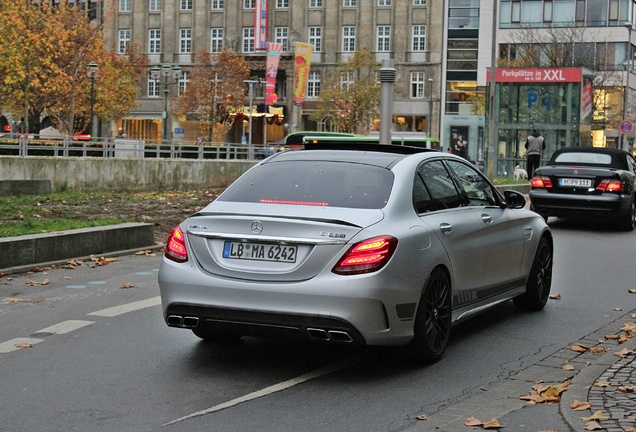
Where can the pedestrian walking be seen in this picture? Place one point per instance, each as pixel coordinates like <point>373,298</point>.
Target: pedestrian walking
<point>535,144</point>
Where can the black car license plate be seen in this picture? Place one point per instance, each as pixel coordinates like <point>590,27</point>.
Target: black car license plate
<point>260,251</point>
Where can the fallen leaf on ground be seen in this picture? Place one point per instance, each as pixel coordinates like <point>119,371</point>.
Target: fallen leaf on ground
<point>146,253</point>
<point>598,350</point>
<point>598,415</point>
<point>421,417</point>
<point>556,297</point>
<point>627,389</point>
<point>632,291</point>
<point>592,426</point>
<point>472,421</point>
<point>578,405</point>
<point>24,345</point>
<point>127,285</point>
<point>613,337</point>
<point>14,300</point>
<point>617,309</point>
<point>602,384</point>
<point>492,424</point>
<point>579,348</point>
<point>546,393</point>
<point>568,367</point>
<point>624,352</point>
<point>629,327</point>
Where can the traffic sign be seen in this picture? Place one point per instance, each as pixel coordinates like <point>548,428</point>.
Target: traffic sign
<point>626,127</point>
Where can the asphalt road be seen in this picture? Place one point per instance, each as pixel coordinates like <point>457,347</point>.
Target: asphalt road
<point>97,356</point>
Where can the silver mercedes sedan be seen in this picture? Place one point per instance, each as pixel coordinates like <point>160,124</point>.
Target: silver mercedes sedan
<point>355,244</point>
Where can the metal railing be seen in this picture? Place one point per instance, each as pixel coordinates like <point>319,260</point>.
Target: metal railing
<point>68,146</point>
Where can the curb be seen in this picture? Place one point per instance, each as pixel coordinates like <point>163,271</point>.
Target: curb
<point>23,253</point>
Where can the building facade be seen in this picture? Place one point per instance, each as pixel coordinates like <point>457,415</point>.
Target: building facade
<point>171,32</point>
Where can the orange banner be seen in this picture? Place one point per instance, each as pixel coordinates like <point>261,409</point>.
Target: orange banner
<point>302,65</point>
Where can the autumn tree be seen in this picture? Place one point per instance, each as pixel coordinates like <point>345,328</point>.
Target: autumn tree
<point>215,90</point>
<point>44,68</point>
<point>350,96</point>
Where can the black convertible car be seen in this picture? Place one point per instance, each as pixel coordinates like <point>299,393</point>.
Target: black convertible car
<point>587,183</point>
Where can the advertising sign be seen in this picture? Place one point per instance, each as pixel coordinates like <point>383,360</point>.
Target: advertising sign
<point>302,66</point>
<point>535,75</point>
<point>273,57</point>
<point>260,24</point>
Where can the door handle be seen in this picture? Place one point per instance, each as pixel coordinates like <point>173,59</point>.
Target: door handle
<point>446,228</point>
<point>486,218</point>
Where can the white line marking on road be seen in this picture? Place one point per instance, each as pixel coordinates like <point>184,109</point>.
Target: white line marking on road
<point>12,345</point>
<point>326,370</point>
<point>129,307</point>
<point>66,327</point>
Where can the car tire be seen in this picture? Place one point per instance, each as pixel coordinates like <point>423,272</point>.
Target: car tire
<point>432,320</point>
<point>209,335</point>
<point>628,220</point>
<point>539,279</point>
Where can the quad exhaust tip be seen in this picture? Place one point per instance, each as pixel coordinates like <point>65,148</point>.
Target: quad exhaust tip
<point>329,335</point>
<point>181,321</point>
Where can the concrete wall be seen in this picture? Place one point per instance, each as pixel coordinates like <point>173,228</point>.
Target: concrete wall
<point>123,174</point>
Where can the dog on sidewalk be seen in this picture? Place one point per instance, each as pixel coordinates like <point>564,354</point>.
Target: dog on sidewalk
<point>520,173</point>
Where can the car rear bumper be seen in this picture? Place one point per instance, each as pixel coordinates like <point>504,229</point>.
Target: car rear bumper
<point>378,310</point>
<point>606,206</point>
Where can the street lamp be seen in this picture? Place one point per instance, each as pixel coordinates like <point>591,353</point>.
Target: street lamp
<point>91,72</point>
<point>628,25</point>
<point>251,101</point>
<point>162,74</point>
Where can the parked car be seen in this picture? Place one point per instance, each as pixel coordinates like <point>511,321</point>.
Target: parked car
<point>587,183</point>
<point>355,244</point>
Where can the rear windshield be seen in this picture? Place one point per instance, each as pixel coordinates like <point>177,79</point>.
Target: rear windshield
<point>584,158</point>
<point>335,184</point>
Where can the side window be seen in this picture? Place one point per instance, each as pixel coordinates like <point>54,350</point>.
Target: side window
<point>439,190</point>
<point>479,191</point>
<point>421,199</point>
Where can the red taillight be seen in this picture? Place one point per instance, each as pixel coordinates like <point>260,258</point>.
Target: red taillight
<point>176,248</point>
<point>610,185</point>
<point>367,256</point>
<point>541,182</point>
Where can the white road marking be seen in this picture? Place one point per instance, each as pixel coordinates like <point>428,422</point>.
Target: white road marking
<point>66,327</point>
<point>12,345</point>
<point>129,307</point>
<point>342,364</point>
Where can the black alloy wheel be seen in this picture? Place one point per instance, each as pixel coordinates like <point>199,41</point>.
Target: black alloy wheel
<point>433,320</point>
<point>539,280</point>
<point>628,220</point>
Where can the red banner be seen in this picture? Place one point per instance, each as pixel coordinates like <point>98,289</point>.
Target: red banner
<point>546,75</point>
<point>273,56</point>
<point>260,24</point>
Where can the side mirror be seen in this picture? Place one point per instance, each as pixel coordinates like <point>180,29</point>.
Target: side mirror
<point>514,199</point>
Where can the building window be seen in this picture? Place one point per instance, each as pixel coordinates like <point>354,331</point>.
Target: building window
<point>418,85</point>
<point>349,3</point>
<point>315,3</point>
<point>348,39</point>
<point>315,38</point>
<point>125,5</point>
<point>346,80</point>
<point>419,2</point>
<point>124,41</point>
<point>154,41</point>
<point>313,85</point>
<point>249,4</point>
<point>154,6</point>
<point>384,38</point>
<point>186,5</point>
<point>182,84</point>
<point>384,2</point>
<point>153,87</point>
<point>282,4</point>
<point>248,40</point>
<point>216,39</point>
<point>218,4</point>
<point>419,38</point>
<point>185,41</point>
<point>465,15</point>
<point>282,37</point>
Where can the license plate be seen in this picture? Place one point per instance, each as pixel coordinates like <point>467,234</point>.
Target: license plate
<point>260,251</point>
<point>574,182</point>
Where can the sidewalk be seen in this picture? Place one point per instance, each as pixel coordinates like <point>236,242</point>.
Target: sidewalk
<point>599,364</point>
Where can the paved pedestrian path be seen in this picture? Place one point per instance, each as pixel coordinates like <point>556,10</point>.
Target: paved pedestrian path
<point>599,369</point>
